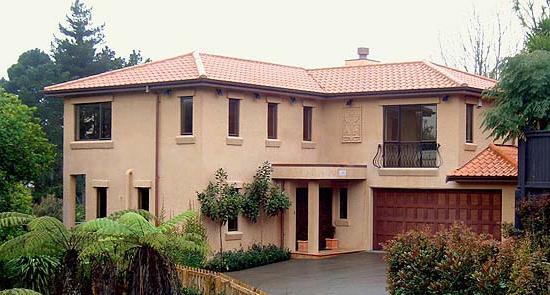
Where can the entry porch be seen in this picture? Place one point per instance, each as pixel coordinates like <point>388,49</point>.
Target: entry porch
<point>328,213</point>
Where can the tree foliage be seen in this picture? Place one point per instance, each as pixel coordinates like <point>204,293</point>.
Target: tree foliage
<point>521,98</point>
<point>220,201</point>
<point>262,195</point>
<point>77,52</point>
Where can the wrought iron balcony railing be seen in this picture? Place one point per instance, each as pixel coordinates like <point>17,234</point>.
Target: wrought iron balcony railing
<point>407,155</point>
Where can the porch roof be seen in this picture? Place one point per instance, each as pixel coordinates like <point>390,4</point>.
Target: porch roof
<point>319,171</point>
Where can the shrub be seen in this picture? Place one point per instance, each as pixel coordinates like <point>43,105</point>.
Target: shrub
<point>256,255</point>
<point>49,206</point>
<point>34,272</point>
<point>534,214</point>
<point>190,291</point>
<point>458,261</point>
<point>188,244</point>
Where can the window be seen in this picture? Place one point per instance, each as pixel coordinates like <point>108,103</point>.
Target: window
<point>343,203</point>
<point>272,120</point>
<point>410,134</point>
<point>233,224</point>
<point>93,121</point>
<point>101,202</point>
<point>143,198</point>
<point>469,123</point>
<point>233,127</point>
<point>187,115</point>
<point>307,123</point>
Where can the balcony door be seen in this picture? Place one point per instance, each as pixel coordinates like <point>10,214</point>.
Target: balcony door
<point>410,136</point>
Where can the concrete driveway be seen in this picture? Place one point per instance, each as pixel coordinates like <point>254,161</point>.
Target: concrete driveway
<point>358,273</point>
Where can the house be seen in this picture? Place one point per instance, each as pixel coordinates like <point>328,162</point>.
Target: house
<point>371,148</point>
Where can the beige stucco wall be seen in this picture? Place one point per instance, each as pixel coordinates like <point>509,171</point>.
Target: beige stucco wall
<point>188,163</point>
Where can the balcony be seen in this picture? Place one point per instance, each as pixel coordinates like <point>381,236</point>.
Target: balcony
<point>407,155</point>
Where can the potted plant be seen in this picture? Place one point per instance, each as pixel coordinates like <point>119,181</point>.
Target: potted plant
<point>302,246</point>
<point>331,242</point>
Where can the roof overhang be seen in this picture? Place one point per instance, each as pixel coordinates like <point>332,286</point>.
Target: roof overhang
<point>483,179</point>
<point>319,171</point>
<point>205,82</point>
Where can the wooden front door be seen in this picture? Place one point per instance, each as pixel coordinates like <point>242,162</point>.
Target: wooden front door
<point>400,210</point>
<point>325,215</point>
<point>301,215</point>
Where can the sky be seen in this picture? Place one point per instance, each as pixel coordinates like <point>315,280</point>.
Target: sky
<point>293,32</point>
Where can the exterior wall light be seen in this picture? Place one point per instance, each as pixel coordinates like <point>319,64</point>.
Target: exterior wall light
<point>219,92</point>
<point>349,102</point>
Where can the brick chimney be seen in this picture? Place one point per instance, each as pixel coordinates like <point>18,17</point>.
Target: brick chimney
<point>362,58</point>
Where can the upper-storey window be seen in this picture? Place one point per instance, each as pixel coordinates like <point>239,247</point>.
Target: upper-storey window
<point>187,115</point>
<point>307,123</point>
<point>93,121</point>
<point>469,123</point>
<point>233,128</point>
<point>410,134</point>
<point>272,120</point>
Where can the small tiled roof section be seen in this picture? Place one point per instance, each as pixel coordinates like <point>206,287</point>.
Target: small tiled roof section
<point>496,162</point>
<point>381,77</point>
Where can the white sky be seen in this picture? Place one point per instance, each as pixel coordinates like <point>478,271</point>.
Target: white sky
<point>314,33</point>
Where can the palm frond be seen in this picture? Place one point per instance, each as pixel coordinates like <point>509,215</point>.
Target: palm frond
<point>174,221</point>
<point>19,291</point>
<point>14,219</point>
<point>136,223</point>
<point>146,214</point>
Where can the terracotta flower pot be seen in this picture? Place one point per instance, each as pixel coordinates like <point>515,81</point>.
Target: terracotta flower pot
<point>302,246</point>
<point>332,244</point>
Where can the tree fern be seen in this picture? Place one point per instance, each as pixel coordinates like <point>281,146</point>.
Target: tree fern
<point>14,219</point>
<point>19,291</point>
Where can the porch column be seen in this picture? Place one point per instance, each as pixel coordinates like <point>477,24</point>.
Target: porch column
<point>290,217</point>
<point>313,216</point>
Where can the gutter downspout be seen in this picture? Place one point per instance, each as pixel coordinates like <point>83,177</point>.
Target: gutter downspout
<point>157,144</point>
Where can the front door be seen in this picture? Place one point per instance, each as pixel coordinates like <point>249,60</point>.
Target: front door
<point>301,215</point>
<point>325,215</point>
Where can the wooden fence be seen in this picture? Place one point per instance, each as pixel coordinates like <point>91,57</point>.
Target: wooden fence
<point>213,283</point>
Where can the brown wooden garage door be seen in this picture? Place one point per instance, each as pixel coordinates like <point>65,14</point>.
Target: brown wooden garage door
<point>400,210</point>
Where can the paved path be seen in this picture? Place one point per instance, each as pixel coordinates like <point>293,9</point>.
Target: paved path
<point>359,273</point>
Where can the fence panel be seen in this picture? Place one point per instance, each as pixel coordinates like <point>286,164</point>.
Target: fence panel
<point>210,283</point>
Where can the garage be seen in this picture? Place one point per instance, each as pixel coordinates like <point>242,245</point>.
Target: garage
<point>400,210</point>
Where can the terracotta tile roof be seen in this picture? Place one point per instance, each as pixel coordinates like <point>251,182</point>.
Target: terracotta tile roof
<point>355,79</point>
<point>495,161</point>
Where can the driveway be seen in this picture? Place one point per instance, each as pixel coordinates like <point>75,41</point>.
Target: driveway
<point>358,273</point>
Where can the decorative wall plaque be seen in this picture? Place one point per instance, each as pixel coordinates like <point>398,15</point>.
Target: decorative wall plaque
<point>351,127</point>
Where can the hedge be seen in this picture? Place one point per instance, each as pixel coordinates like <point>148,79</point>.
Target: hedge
<point>256,255</point>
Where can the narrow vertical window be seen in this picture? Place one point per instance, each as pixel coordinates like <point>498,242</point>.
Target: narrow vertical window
<point>469,123</point>
<point>343,203</point>
<point>307,123</point>
<point>233,224</point>
<point>143,198</point>
<point>187,115</point>
<point>272,120</point>
<point>233,127</point>
<point>101,202</point>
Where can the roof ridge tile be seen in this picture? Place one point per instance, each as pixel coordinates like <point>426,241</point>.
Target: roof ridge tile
<point>452,79</point>
<point>503,155</point>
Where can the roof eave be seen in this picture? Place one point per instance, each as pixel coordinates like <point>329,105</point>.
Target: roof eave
<point>462,90</point>
<point>482,179</point>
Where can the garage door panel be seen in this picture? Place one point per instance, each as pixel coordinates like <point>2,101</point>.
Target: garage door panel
<point>400,210</point>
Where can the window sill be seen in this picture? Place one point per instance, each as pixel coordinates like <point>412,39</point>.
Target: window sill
<point>185,139</point>
<point>230,140</point>
<point>309,144</point>
<point>233,236</point>
<point>408,171</point>
<point>470,147</point>
<point>91,144</point>
<point>342,222</point>
<point>272,143</point>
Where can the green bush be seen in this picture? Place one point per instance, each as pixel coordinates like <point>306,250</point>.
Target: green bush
<point>534,214</point>
<point>190,291</point>
<point>256,255</point>
<point>458,261</point>
<point>34,272</point>
<point>49,206</point>
<point>188,244</point>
